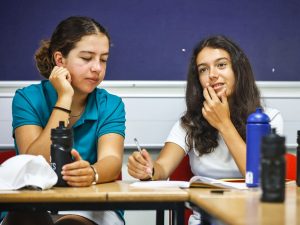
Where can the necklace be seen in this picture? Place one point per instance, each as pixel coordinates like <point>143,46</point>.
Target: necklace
<point>72,116</point>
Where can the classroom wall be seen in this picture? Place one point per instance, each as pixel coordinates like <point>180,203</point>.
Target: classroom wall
<point>153,40</point>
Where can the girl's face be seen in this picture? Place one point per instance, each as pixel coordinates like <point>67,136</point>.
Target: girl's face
<point>86,62</point>
<point>215,70</point>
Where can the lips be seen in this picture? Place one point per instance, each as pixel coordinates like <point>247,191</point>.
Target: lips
<point>93,80</point>
<point>217,86</point>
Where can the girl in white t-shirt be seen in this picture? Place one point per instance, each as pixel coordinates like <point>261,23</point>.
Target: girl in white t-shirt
<point>221,92</point>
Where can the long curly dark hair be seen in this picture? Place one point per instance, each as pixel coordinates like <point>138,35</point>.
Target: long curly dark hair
<point>243,101</point>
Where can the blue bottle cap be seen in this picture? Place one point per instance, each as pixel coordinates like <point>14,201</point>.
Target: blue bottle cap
<point>258,117</point>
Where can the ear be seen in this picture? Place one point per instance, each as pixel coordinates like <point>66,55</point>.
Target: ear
<point>59,58</point>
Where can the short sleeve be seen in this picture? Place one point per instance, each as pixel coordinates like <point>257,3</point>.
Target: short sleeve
<point>23,112</point>
<point>114,119</point>
<point>177,135</point>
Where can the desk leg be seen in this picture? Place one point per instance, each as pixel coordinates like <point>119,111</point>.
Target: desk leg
<point>178,214</point>
<point>160,217</point>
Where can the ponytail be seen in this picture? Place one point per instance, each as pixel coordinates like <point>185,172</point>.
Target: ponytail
<point>43,59</point>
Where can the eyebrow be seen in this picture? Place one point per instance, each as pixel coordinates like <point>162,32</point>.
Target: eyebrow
<point>218,59</point>
<point>90,52</point>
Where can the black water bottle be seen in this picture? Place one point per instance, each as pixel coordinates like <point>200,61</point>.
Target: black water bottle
<point>62,143</point>
<point>298,158</point>
<point>273,168</point>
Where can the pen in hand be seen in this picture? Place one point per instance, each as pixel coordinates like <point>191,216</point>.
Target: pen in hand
<point>140,150</point>
<point>138,145</point>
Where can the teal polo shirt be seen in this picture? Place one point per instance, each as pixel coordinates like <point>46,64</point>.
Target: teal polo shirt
<point>104,113</point>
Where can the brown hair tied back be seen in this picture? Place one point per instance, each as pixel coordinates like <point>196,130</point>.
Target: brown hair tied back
<point>44,61</point>
<point>64,38</point>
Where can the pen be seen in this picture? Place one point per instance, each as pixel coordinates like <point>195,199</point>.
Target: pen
<point>138,145</point>
<point>140,150</point>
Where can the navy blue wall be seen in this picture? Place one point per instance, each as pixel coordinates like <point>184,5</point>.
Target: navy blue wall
<point>153,39</point>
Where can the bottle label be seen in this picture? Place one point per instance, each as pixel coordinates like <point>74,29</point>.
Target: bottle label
<point>249,177</point>
<point>53,165</point>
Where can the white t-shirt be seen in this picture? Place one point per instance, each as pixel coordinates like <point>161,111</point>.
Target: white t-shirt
<point>219,163</point>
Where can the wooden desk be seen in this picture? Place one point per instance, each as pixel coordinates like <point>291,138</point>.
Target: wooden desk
<point>116,195</point>
<point>240,207</point>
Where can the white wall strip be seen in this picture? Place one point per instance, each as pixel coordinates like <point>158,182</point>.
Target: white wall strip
<point>152,107</point>
<point>170,89</point>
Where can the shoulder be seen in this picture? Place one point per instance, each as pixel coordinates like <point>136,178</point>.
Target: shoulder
<point>30,90</point>
<point>108,103</point>
<point>177,135</point>
<point>29,106</point>
<point>30,93</point>
<point>104,96</point>
<point>177,127</point>
<point>111,113</point>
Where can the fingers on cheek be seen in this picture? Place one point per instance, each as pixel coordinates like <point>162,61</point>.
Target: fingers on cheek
<point>205,94</point>
<point>206,107</point>
<point>203,112</point>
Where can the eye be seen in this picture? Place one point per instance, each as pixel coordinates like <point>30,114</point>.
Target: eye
<point>103,60</point>
<point>86,58</point>
<point>202,70</point>
<point>222,65</point>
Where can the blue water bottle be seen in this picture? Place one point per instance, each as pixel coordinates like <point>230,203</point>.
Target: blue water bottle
<point>258,125</point>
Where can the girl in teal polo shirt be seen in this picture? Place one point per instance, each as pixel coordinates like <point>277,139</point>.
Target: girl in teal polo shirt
<point>74,62</point>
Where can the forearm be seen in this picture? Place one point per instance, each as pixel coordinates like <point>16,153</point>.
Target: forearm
<point>108,168</point>
<point>41,145</point>
<point>236,146</point>
<point>169,158</point>
<point>158,172</point>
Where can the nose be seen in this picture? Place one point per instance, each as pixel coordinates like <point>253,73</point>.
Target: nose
<point>213,74</point>
<point>96,67</point>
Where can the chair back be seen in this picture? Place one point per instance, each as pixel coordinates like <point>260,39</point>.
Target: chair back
<point>291,166</point>
<point>6,154</point>
<point>183,173</point>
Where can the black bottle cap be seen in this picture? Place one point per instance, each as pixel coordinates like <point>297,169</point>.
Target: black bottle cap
<point>273,145</point>
<point>61,131</point>
<point>298,137</point>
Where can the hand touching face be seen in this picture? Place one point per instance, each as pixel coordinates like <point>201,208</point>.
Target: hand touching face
<point>215,108</point>
<point>217,80</point>
<point>87,62</point>
<point>215,69</point>
<point>61,80</point>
